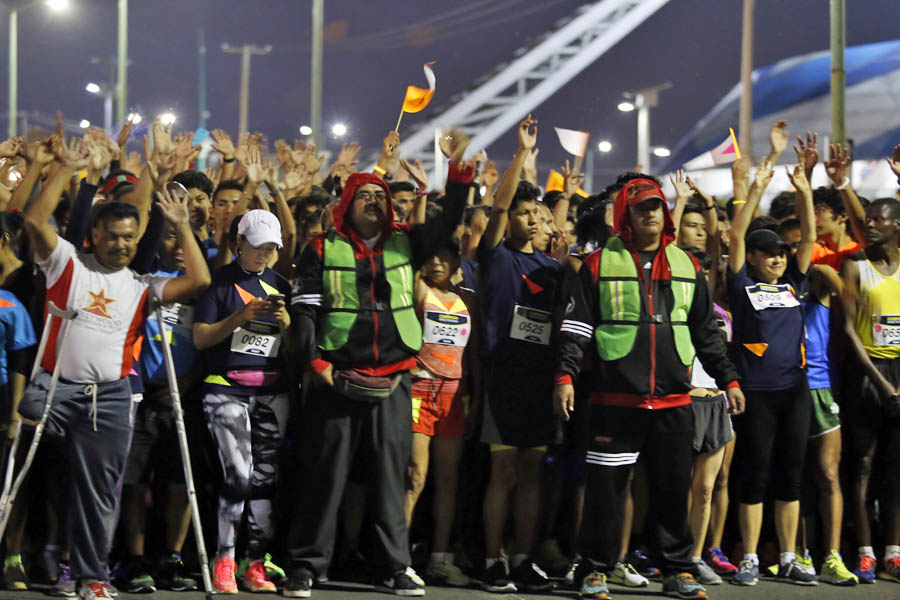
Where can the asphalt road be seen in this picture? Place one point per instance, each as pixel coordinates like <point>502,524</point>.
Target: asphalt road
<point>765,590</point>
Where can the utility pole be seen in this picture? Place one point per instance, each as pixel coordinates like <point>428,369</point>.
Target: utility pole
<point>315,81</point>
<point>745,119</point>
<point>246,51</point>
<point>838,74</point>
<point>122,81</point>
<point>202,113</point>
<point>13,72</point>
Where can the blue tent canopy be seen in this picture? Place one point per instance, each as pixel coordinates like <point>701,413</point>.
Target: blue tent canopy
<point>798,89</point>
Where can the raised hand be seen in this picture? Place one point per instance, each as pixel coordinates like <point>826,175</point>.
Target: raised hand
<point>894,161</point>
<point>11,147</point>
<point>162,138</point>
<point>311,162</point>
<point>572,178</point>
<point>243,146</point>
<point>682,188</point>
<point>222,143</point>
<point>72,155</point>
<point>184,146</point>
<point>799,180</point>
<point>124,134</point>
<point>778,139</point>
<point>478,223</point>
<point>529,168</point>
<point>99,151</point>
<point>708,200</point>
<point>283,152</point>
<point>808,152</point>
<point>763,174</point>
<point>416,172</point>
<point>174,208</point>
<point>390,158</point>
<point>528,133</point>
<point>256,172</point>
<point>837,164</point>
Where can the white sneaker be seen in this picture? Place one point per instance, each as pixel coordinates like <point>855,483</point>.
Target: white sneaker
<point>705,574</point>
<point>411,573</point>
<point>625,574</point>
<point>444,572</point>
<point>569,579</point>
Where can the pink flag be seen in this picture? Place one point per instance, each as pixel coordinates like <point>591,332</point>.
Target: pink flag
<point>725,153</point>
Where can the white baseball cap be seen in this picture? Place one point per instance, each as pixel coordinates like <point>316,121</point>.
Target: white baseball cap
<point>260,227</point>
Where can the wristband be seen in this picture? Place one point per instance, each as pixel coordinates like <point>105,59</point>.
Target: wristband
<point>228,160</point>
<point>739,202</point>
<point>843,184</point>
<point>380,170</point>
<point>713,205</point>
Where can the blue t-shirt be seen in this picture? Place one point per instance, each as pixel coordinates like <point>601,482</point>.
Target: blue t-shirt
<point>15,330</point>
<point>255,346</point>
<point>468,267</point>
<point>768,329</point>
<point>179,320</point>
<point>820,368</point>
<point>519,292</point>
<point>209,248</point>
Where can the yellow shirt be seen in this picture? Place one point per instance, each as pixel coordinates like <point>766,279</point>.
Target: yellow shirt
<point>878,314</point>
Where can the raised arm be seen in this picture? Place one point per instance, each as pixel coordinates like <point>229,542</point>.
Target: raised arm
<point>837,167</point>
<point>420,177</point>
<point>489,177</point>
<point>496,226</point>
<point>223,145</point>
<point>736,248</point>
<point>573,180</point>
<point>806,215</point>
<point>40,156</point>
<point>682,195</point>
<point>713,241</point>
<point>196,275</point>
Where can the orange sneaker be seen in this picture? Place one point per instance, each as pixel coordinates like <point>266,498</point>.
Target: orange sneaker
<point>223,575</point>
<point>256,580</point>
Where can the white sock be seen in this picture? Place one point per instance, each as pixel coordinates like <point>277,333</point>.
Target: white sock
<point>786,558</point>
<point>867,551</point>
<point>891,552</point>
<point>696,559</point>
<point>518,559</point>
<point>489,562</point>
<point>754,558</point>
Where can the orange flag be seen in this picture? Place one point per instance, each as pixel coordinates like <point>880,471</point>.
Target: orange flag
<point>418,98</point>
<point>556,183</point>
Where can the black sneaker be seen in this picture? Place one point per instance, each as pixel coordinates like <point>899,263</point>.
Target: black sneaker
<point>529,577</point>
<point>298,584</point>
<point>496,578</point>
<point>137,578</point>
<point>173,575</point>
<point>399,584</point>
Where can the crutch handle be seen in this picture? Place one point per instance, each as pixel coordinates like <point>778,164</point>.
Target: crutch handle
<point>56,311</point>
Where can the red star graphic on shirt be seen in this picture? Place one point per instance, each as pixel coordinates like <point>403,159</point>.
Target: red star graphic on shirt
<point>99,303</point>
<point>532,286</point>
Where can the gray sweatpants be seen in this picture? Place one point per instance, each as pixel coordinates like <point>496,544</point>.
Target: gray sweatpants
<point>96,438</point>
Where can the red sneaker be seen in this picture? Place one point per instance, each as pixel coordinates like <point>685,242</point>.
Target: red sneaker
<point>890,569</point>
<point>256,579</point>
<point>720,563</point>
<point>224,569</point>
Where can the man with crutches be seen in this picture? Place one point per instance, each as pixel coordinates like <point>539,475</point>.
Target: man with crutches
<point>91,407</point>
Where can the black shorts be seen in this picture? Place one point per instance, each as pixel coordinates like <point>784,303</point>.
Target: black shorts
<point>864,406</point>
<point>518,409</point>
<point>712,423</point>
<point>154,444</point>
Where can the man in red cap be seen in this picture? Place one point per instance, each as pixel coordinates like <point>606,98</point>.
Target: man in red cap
<point>642,311</point>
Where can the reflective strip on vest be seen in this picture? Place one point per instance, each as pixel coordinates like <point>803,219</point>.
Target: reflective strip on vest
<point>621,298</point>
<point>340,297</point>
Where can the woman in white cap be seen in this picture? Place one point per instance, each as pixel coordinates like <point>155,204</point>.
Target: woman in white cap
<point>241,326</point>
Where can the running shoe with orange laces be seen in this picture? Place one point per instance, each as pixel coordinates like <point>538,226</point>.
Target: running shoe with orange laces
<point>890,569</point>
<point>865,569</point>
<point>256,579</point>
<point>224,569</point>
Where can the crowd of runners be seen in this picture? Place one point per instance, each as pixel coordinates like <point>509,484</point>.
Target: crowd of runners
<point>463,383</point>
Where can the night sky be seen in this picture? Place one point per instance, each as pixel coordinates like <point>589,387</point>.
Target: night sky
<point>374,48</point>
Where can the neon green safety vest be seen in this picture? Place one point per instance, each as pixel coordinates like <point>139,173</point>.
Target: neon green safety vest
<point>621,299</point>
<point>341,303</point>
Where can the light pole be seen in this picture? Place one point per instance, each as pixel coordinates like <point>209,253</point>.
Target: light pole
<point>122,63</point>
<point>246,51</point>
<point>315,82</point>
<point>644,100</point>
<point>107,92</point>
<point>55,5</point>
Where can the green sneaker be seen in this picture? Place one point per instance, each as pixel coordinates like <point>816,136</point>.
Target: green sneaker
<point>835,572</point>
<point>805,561</point>
<point>14,577</point>
<point>275,573</point>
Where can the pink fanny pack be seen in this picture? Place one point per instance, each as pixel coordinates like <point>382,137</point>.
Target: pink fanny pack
<point>254,378</point>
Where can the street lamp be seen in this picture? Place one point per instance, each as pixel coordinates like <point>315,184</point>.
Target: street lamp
<point>54,5</point>
<point>305,130</point>
<point>338,129</point>
<point>167,118</point>
<point>84,123</point>
<point>643,101</point>
<point>107,92</point>
<point>135,118</point>
<point>662,152</point>
<point>604,146</point>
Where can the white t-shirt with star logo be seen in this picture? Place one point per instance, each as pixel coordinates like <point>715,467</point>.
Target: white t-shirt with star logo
<point>112,307</point>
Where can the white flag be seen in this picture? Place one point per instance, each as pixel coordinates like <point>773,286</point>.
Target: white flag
<point>572,141</point>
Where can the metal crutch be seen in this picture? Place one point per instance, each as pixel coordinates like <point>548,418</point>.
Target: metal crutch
<point>10,487</point>
<point>185,452</point>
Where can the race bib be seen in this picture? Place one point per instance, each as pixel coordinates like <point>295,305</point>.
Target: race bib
<point>531,325</point>
<point>256,338</point>
<point>886,330</point>
<point>446,329</point>
<point>765,295</point>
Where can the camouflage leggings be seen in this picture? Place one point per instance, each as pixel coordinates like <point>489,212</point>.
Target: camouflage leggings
<point>248,431</point>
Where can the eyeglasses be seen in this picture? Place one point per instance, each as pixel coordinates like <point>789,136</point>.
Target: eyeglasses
<point>371,196</point>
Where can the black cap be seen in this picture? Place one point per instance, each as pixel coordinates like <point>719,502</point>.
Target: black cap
<point>767,241</point>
